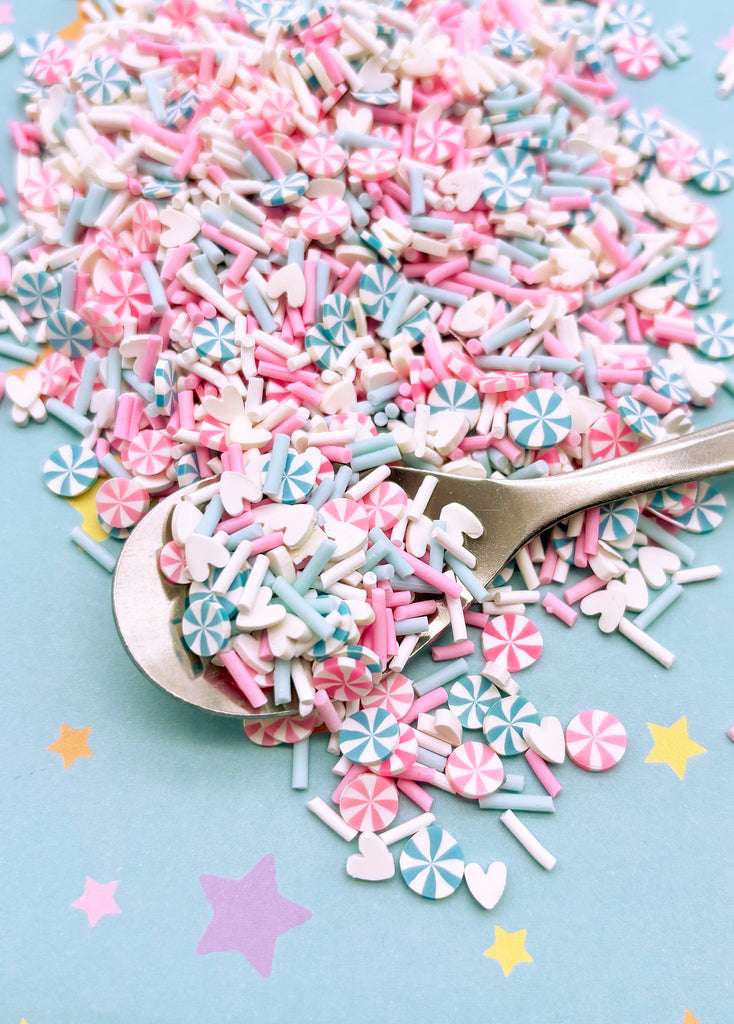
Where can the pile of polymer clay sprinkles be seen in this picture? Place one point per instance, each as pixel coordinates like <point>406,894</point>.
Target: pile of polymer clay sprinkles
<point>286,248</point>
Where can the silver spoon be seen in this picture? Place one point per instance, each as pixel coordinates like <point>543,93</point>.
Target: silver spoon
<point>146,605</point>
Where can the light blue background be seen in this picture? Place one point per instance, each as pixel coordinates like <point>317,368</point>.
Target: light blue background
<point>635,923</point>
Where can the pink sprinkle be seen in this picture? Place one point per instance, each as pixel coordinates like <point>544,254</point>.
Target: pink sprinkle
<point>478,619</point>
<point>583,588</point>
<point>414,792</point>
<point>327,711</point>
<point>431,700</point>
<point>447,652</point>
<point>350,775</point>
<point>555,606</point>
<point>243,677</point>
<point>267,543</point>
<point>545,776</point>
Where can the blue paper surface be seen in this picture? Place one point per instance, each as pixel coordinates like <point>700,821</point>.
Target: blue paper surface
<point>634,924</point>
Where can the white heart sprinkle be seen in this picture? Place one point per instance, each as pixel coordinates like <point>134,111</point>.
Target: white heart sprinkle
<point>486,886</point>
<point>179,227</point>
<point>374,862</point>
<point>201,553</point>
<point>289,281</point>
<point>654,563</point>
<point>609,604</point>
<point>547,740</point>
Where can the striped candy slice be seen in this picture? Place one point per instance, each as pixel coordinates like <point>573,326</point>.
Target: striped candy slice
<point>343,678</point>
<point>369,736</point>
<point>369,803</point>
<point>215,339</point>
<point>706,511</point>
<point>68,333</point>
<point>432,863</point>
<point>385,505</point>
<point>540,419</point>
<point>121,503</point>
<point>609,437</point>
<point>474,770</point>
<point>402,758</point>
<point>393,692</point>
<point>618,520</point>
<point>512,642</point>
<point>172,563</point>
<point>205,627</point>
<point>504,723</point>
<point>469,699</point>
<point>456,396</point>
<point>378,287</point>
<point>70,470</point>
<point>508,178</point>
<point>595,740</point>
<point>715,335</point>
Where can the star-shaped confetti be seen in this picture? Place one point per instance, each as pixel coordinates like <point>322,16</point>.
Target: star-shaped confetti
<point>86,506</point>
<point>6,14</point>
<point>688,1018</point>
<point>673,746</point>
<point>71,744</point>
<point>508,949</point>
<point>97,900</point>
<point>727,43</point>
<point>249,914</point>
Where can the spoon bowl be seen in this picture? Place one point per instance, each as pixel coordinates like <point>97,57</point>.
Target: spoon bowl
<point>148,608</point>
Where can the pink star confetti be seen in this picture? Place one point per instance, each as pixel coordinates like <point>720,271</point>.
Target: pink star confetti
<point>6,14</point>
<point>97,900</point>
<point>727,43</point>
<point>249,914</point>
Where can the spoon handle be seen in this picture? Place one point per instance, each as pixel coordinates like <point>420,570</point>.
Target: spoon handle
<point>693,456</point>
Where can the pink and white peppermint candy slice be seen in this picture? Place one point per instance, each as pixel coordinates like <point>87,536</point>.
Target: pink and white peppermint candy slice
<point>437,141</point>
<point>595,740</point>
<point>321,157</point>
<point>149,453</point>
<point>674,157</point>
<point>172,563</point>
<point>121,503</point>
<point>104,324</point>
<point>343,678</point>
<point>146,227</point>
<point>345,510</point>
<point>40,189</point>
<point>637,56</point>
<point>292,729</point>
<point>609,437</point>
<point>278,109</point>
<point>126,293</point>
<point>324,218</point>
<point>55,371</point>
<point>394,692</point>
<point>385,504</point>
<point>474,770</point>
<point>703,228</point>
<point>373,164</point>
<point>512,642</point>
<point>256,730</point>
<point>213,434</point>
<point>369,803</point>
<point>402,758</point>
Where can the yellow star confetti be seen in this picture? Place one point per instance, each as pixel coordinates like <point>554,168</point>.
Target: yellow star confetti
<point>688,1018</point>
<point>71,744</point>
<point>673,746</point>
<point>508,949</point>
<point>86,506</point>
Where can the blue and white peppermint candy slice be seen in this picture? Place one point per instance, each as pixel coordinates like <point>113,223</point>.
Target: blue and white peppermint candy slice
<point>618,520</point>
<point>638,416</point>
<point>32,48</point>
<point>715,335</point>
<point>181,110</point>
<point>68,333</point>
<point>418,326</point>
<point>38,293</point>
<point>223,602</point>
<point>261,14</point>
<point>630,17</point>
<point>706,512</point>
<point>432,863</point>
<point>281,191</point>
<point>563,545</point>
<point>666,380</point>
<point>375,97</point>
<point>205,628</point>
<point>469,699</point>
<point>187,470</point>
<point>215,339</point>
<point>694,287</point>
<point>378,287</point>
<point>509,178</point>
<point>323,350</point>
<point>456,396</point>
<point>70,470</point>
<point>103,80</point>
<point>299,476</point>
<point>369,736</point>
<point>539,419</point>
<point>164,383</point>
<point>510,42</point>
<point>642,132</point>
<point>504,723</point>
<point>337,319</point>
<point>713,169</point>
<point>154,188</point>
<point>672,500</point>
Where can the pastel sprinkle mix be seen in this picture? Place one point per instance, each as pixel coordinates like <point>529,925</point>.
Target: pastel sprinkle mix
<point>340,240</point>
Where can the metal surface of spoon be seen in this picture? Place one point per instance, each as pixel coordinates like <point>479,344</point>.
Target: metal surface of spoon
<point>146,605</point>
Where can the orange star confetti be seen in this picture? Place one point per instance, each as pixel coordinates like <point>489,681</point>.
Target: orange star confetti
<point>71,744</point>
<point>688,1018</point>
